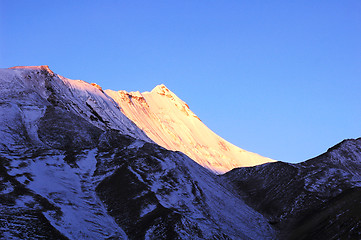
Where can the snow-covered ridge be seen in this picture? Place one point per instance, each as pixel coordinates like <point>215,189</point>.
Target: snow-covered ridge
<point>72,165</point>
<point>159,116</point>
<point>30,92</point>
<point>42,67</point>
<point>169,122</point>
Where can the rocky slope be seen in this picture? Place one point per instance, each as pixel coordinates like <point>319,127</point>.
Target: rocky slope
<point>74,167</point>
<point>316,199</point>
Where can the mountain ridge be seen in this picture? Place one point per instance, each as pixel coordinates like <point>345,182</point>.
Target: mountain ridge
<point>160,114</point>
<point>74,167</point>
<point>168,121</point>
<point>301,199</point>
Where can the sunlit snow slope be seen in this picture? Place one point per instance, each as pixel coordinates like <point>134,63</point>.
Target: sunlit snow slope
<point>73,166</point>
<point>168,121</point>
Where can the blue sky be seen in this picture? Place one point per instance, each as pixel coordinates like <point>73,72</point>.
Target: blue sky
<point>280,78</point>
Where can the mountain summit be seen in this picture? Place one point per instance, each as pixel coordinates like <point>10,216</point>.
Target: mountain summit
<point>78,162</point>
<point>169,122</point>
<point>73,166</point>
<point>160,114</point>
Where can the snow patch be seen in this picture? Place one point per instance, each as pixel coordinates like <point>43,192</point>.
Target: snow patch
<point>7,188</point>
<point>149,208</point>
<point>24,201</point>
<point>73,190</point>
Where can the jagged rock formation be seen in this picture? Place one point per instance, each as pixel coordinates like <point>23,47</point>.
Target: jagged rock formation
<point>315,199</point>
<point>169,122</point>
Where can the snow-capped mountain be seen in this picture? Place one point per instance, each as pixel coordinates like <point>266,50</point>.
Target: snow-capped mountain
<point>315,199</point>
<point>73,166</point>
<point>169,122</point>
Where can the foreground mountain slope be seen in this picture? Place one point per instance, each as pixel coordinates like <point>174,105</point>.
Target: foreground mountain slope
<point>316,199</point>
<point>136,190</point>
<point>168,121</point>
<point>69,170</point>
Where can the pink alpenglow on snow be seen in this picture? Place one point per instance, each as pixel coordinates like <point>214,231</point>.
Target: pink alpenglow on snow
<point>169,122</point>
<point>40,68</point>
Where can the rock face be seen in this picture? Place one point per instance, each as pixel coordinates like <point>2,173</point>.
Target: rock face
<point>169,122</point>
<point>72,166</point>
<point>316,199</point>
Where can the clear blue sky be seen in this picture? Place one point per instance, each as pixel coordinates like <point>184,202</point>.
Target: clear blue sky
<point>280,78</point>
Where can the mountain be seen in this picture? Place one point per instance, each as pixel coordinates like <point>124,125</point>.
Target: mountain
<point>31,94</point>
<point>73,166</point>
<point>169,122</point>
<point>316,199</point>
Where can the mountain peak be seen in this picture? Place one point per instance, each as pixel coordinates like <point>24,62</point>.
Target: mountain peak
<point>169,122</point>
<point>42,67</point>
<point>161,89</point>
